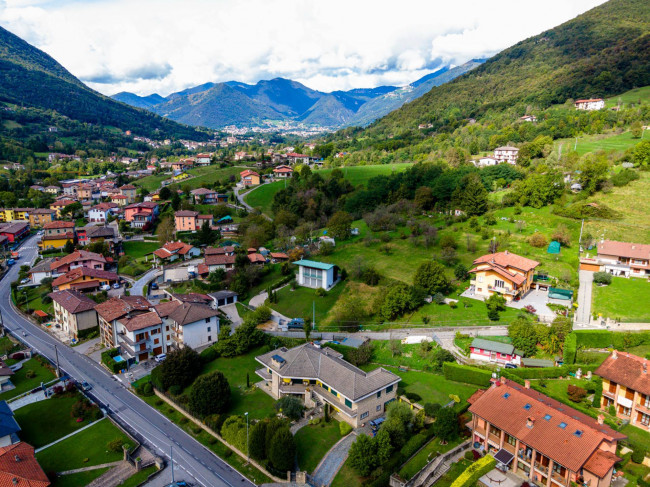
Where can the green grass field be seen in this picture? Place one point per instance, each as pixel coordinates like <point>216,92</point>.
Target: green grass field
<point>433,387</point>
<point>262,196</point>
<point>23,384</point>
<point>298,303</point>
<point>43,422</point>
<point>80,479</point>
<point>427,453</point>
<point>87,448</point>
<point>138,478</point>
<point>636,96</point>
<point>313,442</point>
<point>202,175</point>
<point>620,300</point>
<point>558,387</point>
<point>139,248</point>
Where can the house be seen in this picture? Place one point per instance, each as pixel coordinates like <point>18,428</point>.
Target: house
<point>283,172</point>
<point>41,271</point>
<point>626,387</point>
<point>203,159</point>
<point>541,439</point>
<point>494,352</point>
<point>19,467</point>
<point>321,375</point>
<point>205,196</point>
<point>85,192</point>
<point>227,250</point>
<point>52,189</point>
<point>203,219</point>
<point>222,298</point>
<point>590,104</point>
<point>257,259</point>
<point>294,158</point>
<point>113,309</point>
<point>119,199</point>
<point>141,215</point>
<point>242,156</point>
<point>249,178</point>
<point>317,274</point>
<point>507,154</point>
<point>486,161</point>
<point>40,216</point>
<point>141,337</point>
<point>14,232</point>
<point>9,427</point>
<point>528,118</point>
<point>74,312</point>
<point>5,376</point>
<point>84,279</point>
<point>186,220</point>
<point>196,298</point>
<point>56,234</point>
<point>220,261</point>
<point>94,233</point>
<point>624,259</point>
<point>78,258</point>
<point>503,273</point>
<point>279,256</point>
<point>58,205</point>
<point>194,325</point>
<point>172,251</point>
<point>100,213</point>
<point>130,192</point>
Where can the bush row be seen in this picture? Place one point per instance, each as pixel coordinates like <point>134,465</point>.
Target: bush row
<point>475,471</point>
<point>611,339</point>
<point>570,348</point>
<point>464,373</point>
<point>550,372</point>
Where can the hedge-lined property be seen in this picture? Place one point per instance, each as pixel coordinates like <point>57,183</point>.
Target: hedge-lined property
<point>466,374</point>
<point>550,372</point>
<point>110,363</point>
<point>475,471</point>
<point>611,339</point>
<point>570,348</point>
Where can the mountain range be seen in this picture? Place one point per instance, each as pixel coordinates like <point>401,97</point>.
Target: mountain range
<point>216,105</point>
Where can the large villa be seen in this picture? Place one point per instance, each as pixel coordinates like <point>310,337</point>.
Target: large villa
<point>320,375</point>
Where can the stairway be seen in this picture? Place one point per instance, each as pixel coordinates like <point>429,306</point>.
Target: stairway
<point>443,469</point>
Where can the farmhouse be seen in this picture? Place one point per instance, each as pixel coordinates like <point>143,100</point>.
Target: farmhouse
<point>507,154</point>
<point>249,178</point>
<point>590,104</point>
<point>503,273</point>
<point>283,172</point>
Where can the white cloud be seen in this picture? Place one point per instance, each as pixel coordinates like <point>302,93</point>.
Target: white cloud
<point>147,46</point>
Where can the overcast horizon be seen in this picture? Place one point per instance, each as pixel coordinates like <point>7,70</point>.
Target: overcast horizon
<point>165,46</point>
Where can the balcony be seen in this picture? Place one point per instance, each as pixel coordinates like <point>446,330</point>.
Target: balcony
<point>502,290</point>
<point>125,338</point>
<point>609,394</point>
<point>556,477</point>
<point>642,407</point>
<point>263,373</point>
<point>327,396</point>
<point>132,351</point>
<point>292,388</point>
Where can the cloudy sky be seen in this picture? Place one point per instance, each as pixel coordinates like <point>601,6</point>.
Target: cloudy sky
<point>162,46</point>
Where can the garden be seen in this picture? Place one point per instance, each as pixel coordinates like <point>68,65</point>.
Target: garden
<point>33,372</point>
<point>617,300</point>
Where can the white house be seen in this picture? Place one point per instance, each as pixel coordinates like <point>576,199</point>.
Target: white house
<point>590,104</point>
<point>100,212</point>
<point>487,161</point>
<point>317,274</point>
<point>141,337</point>
<point>507,154</point>
<point>41,271</point>
<point>194,325</point>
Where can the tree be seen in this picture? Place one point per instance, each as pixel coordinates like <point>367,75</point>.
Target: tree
<point>602,278</point>
<point>461,272</point>
<point>562,235</point>
<point>360,356</point>
<point>538,240</point>
<point>166,230</point>
<point>73,209</point>
<point>257,441</point>
<point>424,198</point>
<point>282,453</point>
<point>165,193</point>
<point>180,368</point>
<point>636,129</point>
<point>523,336</point>
<point>176,201</point>
<point>446,425</point>
<point>340,225</point>
<point>210,394</point>
<point>470,195</point>
<point>306,327</point>
<point>290,406</point>
<point>640,154</point>
<point>431,409</point>
<point>431,277</point>
<point>495,304</point>
<point>363,455</point>
<point>68,248</point>
<point>576,393</point>
<point>207,236</point>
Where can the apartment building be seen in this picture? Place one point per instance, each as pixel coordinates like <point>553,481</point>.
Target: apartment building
<point>74,312</point>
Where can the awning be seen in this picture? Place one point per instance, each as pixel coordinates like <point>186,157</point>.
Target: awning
<point>504,456</point>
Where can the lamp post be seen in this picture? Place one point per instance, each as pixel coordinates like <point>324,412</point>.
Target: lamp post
<point>247,456</point>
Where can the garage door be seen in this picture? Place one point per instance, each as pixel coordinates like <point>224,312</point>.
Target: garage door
<point>589,267</point>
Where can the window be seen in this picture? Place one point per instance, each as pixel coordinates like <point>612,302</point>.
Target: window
<point>389,389</point>
<point>209,328</point>
<point>562,425</point>
<point>506,395</point>
<point>207,320</point>
<point>646,403</point>
<point>512,440</point>
<point>348,403</point>
<point>527,406</point>
<point>209,338</point>
<point>365,415</point>
<point>626,411</point>
<point>378,394</point>
<point>645,419</point>
<point>499,283</point>
<point>480,278</point>
<point>547,417</point>
<point>379,409</point>
<point>578,433</point>
<point>334,392</point>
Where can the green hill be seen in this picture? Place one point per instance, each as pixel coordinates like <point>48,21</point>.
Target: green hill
<point>31,78</point>
<point>602,52</point>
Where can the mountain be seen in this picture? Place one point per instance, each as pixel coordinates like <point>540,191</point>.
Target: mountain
<point>283,95</point>
<point>383,105</point>
<point>32,79</point>
<point>138,101</point>
<point>601,52</point>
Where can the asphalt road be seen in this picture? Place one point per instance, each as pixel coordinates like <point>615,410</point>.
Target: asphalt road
<point>193,462</point>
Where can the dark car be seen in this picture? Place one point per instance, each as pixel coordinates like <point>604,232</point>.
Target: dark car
<point>511,366</point>
<point>154,285</point>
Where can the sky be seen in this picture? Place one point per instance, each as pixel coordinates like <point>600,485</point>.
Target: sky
<point>163,46</point>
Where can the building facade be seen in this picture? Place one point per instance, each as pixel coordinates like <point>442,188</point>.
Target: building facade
<point>503,273</point>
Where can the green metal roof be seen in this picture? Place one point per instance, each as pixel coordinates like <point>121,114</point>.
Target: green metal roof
<point>314,265</point>
<point>484,344</point>
<point>536,362</point>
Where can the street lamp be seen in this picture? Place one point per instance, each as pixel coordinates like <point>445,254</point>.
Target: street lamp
<point>247,456</point>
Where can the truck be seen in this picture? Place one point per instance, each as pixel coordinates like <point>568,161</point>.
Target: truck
<point>15,254</point>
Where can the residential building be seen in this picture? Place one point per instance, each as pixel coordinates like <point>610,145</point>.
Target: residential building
<point>14,232</point>
<point>590,104</point>
<point>220,261</point>
<point>543,440</point>
<point>78,258</point>
<point>92,233</point>
<point>250,178</point>
<point>40,216</point>
<point>203,219</point>
<point>52,190</point>
<point>119,199</point>
<point>294,158</point>
<point>623,259</point>
<point>321,375</point>
<point>140,337</point>
<point>84,279</point>
<point>626,386</point>
<point>223,298</point>
<point>58,205</point>
<point>172,251</point>
<point>9,427</point>
<point>74,312</point>
<point>19,467</point>
<point>41,271</point>
<point>494,352</point>
<point>507,154</point>
<point>203,159</point>
<point>141,215</point>
<point>317,274</point>
<point>186,220</point>
<point>56,234</point>
<point>194,325</point>
<point>528,118</point>
<point>487,161</point>
<point>100,213</point>
<point>283,172</point>
<point>130,192</point>
<point>257,259</point>
<point>113,309</point>
<point>192,298</point>
<point>242,156</point>
<point>503,273</point>
<point>5,376</point>
<point>205,196</point>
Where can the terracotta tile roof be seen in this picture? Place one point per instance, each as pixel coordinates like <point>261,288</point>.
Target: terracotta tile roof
<point>219,259</point>
<point>188,313</point>
<point>255,258</point>
<point>165,309</point>
<point>117,307</point>
<point>73,301</point>
<point>104,206</point>
<point>624,249</point>
<point>128,186</point>
<point>511,276</point>
<point>13,228</point>
<point>248,172</point>
<point>187,213</point>
<point>202,191</point>
<point>41,313</point>
<point>42,211</point>
<point>219,250</point>
<point>508,259</point>
<point>78,272</point>
<point>474,397</point>
<point>140,321</point>
<point>601,462</point>
<point>76,256</point>
<point>202,269</point>
<point>279,255</point>
<point>588,100</point>
<point>628,370</point>
<point>58,224</point>
<point>205,217</point>
<point>18,462</point>
<point>557,431</point>
<point>192,298</point>
<point>60,236</point>
<point>162,253</point>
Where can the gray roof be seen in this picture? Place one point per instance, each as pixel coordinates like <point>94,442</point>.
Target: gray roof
<point>223,294</point>
<point>310,362</point>
<point>314,264</point>
<point>536,362</point>
<point>484,344</point>
<point>42,266</point>
<point>188,313</point>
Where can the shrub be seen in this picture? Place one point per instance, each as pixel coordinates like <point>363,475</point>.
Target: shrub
<point>469,455</point>
<point>210,394</point>
<point>638,455</point>
<point>475,471</point>
<point>431,409</point>
<point>344,428</point>
<point>320,292</point>
<point>413,445</point>
<point>30,374</point>
<point>602,278</point>
<point>469,375</point>
<point>180,368</point>
<point>209,354</point>
<point>147,390</point>
<point>290,406</point>
<point>115,445</point>
<point>413,397</point>
<point>175,390</point>
<point>575,393</point>
<point>538,240</point>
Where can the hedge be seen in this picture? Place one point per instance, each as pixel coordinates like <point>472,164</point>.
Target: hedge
<point>598,393</point>
<point>570,348</point>
<point>475,471</point>
<point>466,374</point>
<point>550,372</point>
<point>87,332</point>
<point>611,339</point>
<point>413,445</point>
<point>107,360</point>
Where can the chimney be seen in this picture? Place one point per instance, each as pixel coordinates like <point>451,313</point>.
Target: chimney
<point>614,354</point>
<point>17,458</point>
<point>506,252</point>
<point>527,384</point>
<point>601,419</point>
<point>529,422</point>
<point>645,366</point>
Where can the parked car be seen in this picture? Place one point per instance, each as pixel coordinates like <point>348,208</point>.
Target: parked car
<point>25,281</point>
<point>116,285</point>
<point>105,287</point>
<point>11,262</point>
<point>511,366</point>
<point>154,285</point>
<point>85,386</point>
<point>160,358</point>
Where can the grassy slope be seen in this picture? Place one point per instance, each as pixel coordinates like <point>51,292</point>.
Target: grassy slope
<point>624,299</point>
<point>298,303</point>
<point>80,479</point>
<point>203,175</point>
<point>138,248</point>
<point>43,374</point>
<point>313,442</point>
<point>262,197</point>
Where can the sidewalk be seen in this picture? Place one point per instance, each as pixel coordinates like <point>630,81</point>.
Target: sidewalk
<point>32,398</point>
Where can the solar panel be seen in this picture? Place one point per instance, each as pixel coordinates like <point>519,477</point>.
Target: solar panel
<point>278,359</point>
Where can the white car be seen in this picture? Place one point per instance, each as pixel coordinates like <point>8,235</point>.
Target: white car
<point>25,281</point>
<point>105,287</point>
<point>160,358</point>
<point>116,285</point>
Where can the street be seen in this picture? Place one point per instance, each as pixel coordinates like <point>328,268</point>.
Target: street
<point>193,462</point>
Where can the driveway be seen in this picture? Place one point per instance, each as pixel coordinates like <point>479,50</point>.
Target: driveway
<point>233,315</point>
<point>330,465</point>
<point>583,313</point>
<point>143,281</point>
<point>537,299</point>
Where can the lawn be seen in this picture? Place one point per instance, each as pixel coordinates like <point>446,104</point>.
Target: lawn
<point>313,442</point>
<point>606,142</point>
<point>139,477</point>
<point>299,303</point>
<point>43,422</point>
<point>622,299</point>
<point>558,387</point>
<point>636,436</point>
<point>34,298</point>
<point>80,479</point>
<point>254,400</point>
<point>138,248</point>
<point>262,196</point>
<point>362,174</point>
<point>7,346</point>
<point>468,312</point>
<point>346,476</point>
<point>636,96</point>
<point>433,388</point>
<point>89,447</point>
<point>452,474</point>
<point>23,384</point>
<point>426,454</point>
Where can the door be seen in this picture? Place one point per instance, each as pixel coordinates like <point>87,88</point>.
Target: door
<point>143,356</point>
<point>157,351</point>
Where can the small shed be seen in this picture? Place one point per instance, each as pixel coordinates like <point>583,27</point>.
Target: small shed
<point>554,247</point>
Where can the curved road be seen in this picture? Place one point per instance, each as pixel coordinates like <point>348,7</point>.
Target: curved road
<point>198,464</point>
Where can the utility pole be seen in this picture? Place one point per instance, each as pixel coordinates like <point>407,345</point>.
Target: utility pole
<point>313,315</point>
<point>580,238</point>
<point>247,455</point>
<point>575,147</point>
